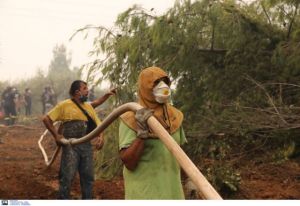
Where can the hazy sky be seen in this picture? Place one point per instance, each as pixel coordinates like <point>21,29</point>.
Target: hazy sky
<point>29,30</point>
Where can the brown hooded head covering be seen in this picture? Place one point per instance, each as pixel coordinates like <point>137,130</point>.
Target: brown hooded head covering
<point>170,117</point>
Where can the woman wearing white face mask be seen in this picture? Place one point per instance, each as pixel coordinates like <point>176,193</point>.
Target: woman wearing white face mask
<point>162,91</point>
<point>151,172</point>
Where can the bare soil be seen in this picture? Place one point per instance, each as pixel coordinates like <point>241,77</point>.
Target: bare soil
<point>23,174</point>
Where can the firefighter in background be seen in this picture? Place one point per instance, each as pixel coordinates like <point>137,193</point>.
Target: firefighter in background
<point>48,99</point>
<point>27,101</point>
<point>9,99</point>
<point>19,101</point>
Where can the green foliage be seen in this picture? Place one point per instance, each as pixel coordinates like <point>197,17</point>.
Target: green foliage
<point>107,161</point>
<point>234,66</point>
<point>59,75</point>
<point>226,180</point>
<point>211,154</point>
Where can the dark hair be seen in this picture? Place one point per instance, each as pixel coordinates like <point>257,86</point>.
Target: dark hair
<point>75,86</point>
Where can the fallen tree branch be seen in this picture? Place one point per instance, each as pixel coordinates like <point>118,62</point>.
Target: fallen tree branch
<point>268,96</point>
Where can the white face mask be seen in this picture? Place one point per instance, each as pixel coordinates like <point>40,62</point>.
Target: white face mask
<point>162,92</point>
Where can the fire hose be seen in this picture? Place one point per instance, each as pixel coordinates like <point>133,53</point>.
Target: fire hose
<point>204,187</point>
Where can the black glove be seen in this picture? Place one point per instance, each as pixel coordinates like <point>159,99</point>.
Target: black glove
<point>141,117</point>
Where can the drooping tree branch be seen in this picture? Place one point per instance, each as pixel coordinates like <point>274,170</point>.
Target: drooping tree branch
<point>266,13</point>
<point>292,21</point>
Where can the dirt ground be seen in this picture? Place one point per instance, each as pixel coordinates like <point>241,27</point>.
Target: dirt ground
<point>23,174</point>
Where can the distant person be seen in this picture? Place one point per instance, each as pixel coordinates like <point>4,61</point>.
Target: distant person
<point>79,118</point>
<point>1,111</point>
<point>44,99</point>
<point>28,101</point>
<point>53,96</point>
<point>9,97</point>
<point>2,107</point>
<point>48,99</point>
<point>19,101</point>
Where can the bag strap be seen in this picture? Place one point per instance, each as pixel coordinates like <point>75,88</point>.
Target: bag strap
<point>84,111</point>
